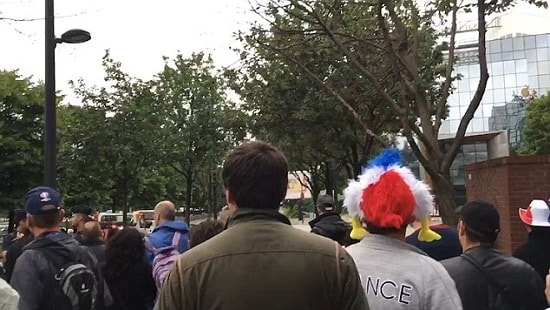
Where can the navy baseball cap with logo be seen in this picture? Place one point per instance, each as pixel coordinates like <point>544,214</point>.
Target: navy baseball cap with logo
<point>42,200</point>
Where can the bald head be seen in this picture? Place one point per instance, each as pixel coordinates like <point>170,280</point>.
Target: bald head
<point>165,211</point>
<point>91,230</point>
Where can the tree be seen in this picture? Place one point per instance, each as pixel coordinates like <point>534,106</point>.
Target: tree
<point>293,75</point>
<point>197,118</point>
<point>401,30</point>
<point>536,133</point>
<point>112,141</point>
<point>21,146</point>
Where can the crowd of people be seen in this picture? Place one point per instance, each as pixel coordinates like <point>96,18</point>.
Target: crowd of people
<point>252,258</point>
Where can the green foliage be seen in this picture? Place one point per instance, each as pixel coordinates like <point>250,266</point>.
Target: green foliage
<point>199,123</point>
<point>21,125</point>
<point>308,99</point>
<point>537,128</point>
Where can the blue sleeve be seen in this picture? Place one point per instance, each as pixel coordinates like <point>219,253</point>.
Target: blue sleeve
<point>149,256</point>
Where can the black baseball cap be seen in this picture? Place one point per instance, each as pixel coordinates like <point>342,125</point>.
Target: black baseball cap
<point>481,217</point>
<point>326,203</point>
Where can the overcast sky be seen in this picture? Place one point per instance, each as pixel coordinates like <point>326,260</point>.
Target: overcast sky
<point>137,32</point>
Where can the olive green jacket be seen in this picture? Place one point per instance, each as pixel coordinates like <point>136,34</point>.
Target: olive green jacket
<point>261,262</point>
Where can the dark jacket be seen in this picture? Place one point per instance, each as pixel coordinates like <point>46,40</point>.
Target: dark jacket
<point>261,262</point>
<point>134,289</point>
<point>447,247</point>
<point>96,247</point>
<point>536,251</point>
<point>15,251</point>
<point>332,226</point>
<point>7,240</point>
<point>525,287</point>
<point>33,276</point>
<point>163,234</point>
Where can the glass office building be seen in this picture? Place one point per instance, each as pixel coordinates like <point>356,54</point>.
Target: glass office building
<point>514,64</point>
<point>519,69</point>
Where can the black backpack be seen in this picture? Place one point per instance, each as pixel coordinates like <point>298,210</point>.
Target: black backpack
<point>74,281</point>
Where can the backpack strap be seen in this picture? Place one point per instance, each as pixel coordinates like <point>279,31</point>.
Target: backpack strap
<point>176,239</point>
<point>502,289</point>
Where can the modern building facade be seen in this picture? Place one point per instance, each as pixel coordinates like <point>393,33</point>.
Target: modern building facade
<point>518,61</point>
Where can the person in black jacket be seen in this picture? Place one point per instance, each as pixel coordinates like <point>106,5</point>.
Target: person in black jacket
<point>446,247</point>
<point>485,278</point>
<point>536,251</point>
<point>328,223</point>
<point>24,236</point>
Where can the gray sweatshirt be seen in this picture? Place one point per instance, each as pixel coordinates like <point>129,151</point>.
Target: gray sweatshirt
<point>397,276</point>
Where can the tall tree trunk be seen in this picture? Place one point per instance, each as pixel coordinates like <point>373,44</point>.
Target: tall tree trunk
<point>445,198</point>
<point>210,195</point>
<point>188,199</point>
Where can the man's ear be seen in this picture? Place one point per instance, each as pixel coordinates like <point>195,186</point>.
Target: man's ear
<point>62,215</point>
<point>231,204</point>
<point>461,228</point>
<point>29,221</point>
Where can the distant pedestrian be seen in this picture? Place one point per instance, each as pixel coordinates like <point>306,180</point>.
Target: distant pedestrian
<point>24,237</point>
<point>166,227</point>
<point>128,274</point>
<point>536,251</point>
<point>329,223</point>
<point>80,216</point>
<point>91,239</point>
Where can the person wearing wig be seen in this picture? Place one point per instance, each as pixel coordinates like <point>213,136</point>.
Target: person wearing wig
<point>386,198</point>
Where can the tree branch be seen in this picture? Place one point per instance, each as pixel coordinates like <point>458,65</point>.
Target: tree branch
<point>447,84</point>
<point>476,100</point>
<point>328,88</point>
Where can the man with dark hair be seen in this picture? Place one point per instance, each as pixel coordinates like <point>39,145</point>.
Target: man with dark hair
<point>260,261</point>
<point>328,222</point>
<point>37,270</point>
<point>536,251</point>
<point>166,227</point>
<point>80,216</point>
<point>486,278</point>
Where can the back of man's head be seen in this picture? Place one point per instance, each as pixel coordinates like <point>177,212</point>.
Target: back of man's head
<point>204,231</point>
<point>256,176</point>
<point>91,231</point>
<point>481,221</point>
<point>165,211</point>
<point>43,207</point>
<point>325,204</point>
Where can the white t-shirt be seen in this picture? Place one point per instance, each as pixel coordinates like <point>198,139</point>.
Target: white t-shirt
<point>8,296</point>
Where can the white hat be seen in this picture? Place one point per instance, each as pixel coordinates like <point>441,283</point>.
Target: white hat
<point>537,214</point>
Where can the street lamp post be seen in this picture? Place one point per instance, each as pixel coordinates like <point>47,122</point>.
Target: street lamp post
<point>50,127</point>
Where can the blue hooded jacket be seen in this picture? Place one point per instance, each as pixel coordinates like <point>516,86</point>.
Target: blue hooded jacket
<point>163,234</point>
